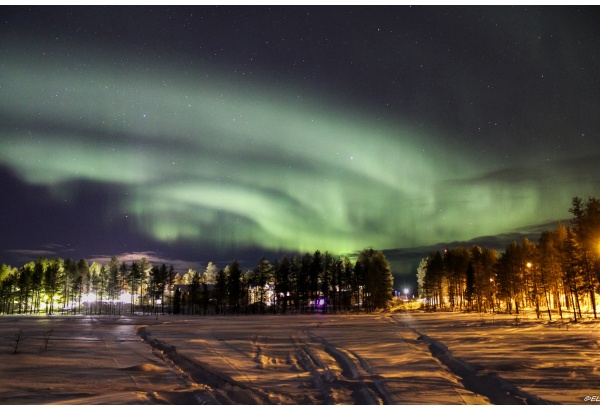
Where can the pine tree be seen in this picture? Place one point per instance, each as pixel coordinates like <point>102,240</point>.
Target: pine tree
<point>264,275</point>
<point>378,278</point>
<point>314,273</point>
<point>282,283</point>
<point>432,284</point>
<point>221,289</point>
<point>234,286</point>
<point>177,302</point>
<point>470,285</point>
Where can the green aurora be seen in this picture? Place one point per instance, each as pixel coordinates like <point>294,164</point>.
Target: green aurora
<point>201,157</point>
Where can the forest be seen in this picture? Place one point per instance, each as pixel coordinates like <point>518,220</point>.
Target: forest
<point>559,274</point>
<point>313,282</point>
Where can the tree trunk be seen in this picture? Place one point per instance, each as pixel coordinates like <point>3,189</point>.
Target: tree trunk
<point>593,300</point>
<point>574,296</point>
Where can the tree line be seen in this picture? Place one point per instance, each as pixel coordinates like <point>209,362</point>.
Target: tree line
<point>301,283</point>
<point>560,273</point>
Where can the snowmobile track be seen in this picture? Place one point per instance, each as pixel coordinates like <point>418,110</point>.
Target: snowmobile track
<point>357,374</point>
<point>225,390</point>
<point>490,385</point>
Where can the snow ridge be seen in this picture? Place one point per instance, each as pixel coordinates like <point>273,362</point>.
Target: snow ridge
<point>364,389</point>
<point>488,384</point>
<point>221,388</point>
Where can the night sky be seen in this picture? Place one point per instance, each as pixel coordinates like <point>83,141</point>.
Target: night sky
<point>196,134</point>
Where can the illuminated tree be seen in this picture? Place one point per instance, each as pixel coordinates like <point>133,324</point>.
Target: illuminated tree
<point>432,284</point>
<point>70,273</point>
<point>75,273</point>
<point>124,286</point>
<point>586,227</point>
<point>5,272</point>
<point>24,286</point>
<point>135,276</point>
<point>528,263</point>
<point>210,273</point>
<point>456,262</point>
<point>83,280</point>
<point>8,281</point>
<point>421,272</point>
<point>572,267</point>
<point>510,276</point>
<point>470,285</point>
<point>8,278</point>
<point>378,278</point>
<point>113,285</point>
<point>483,261</point>
<point>144,272</point>
<point>37,282</point>
<point>52,281</point>
<point>549,270</point>
<point>98,279</point>
<point>103,276</point>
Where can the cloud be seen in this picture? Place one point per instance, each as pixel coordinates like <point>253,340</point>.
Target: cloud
<point>51,250</point>
<point>32,252</point>
<point>154,258</point>
<point>55,247</point>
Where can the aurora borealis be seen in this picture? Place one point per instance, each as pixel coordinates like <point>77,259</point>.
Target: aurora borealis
<point>205,133</point>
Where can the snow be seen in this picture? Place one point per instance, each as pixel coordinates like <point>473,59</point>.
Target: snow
<point>401,358</point>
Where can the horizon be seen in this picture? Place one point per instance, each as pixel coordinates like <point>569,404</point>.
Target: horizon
<point>403,261</point>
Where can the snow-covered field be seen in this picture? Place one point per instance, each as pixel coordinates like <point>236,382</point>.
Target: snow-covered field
<point>408,358</point>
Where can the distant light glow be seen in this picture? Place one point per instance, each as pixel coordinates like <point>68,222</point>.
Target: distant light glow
<point>88,297</point>
<point>125,297</point>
